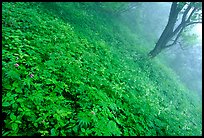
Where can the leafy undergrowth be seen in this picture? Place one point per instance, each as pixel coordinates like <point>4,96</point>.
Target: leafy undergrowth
<point>69,70</point>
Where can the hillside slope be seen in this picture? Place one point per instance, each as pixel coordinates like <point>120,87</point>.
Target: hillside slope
<point>69,69</point>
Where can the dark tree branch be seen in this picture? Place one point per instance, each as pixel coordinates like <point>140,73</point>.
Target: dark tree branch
<point>175,41</point>
<point>171,31</point>
<point>173,8</point>
<point>181,46</point>
<point>189,17</point>
<point>177,29</point>
<point>193,23</point>
<point>171,21</point>
<point>183,21</point>
<point>173,16</point>
<point>185,14</point>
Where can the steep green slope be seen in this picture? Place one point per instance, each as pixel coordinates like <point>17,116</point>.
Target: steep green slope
<point>70,69</point>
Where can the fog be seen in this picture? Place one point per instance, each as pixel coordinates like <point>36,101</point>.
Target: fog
<point>185,61</point>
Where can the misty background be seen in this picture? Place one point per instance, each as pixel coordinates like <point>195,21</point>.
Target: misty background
<point>185,60</point>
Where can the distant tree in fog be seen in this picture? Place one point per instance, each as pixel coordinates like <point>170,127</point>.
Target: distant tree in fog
<point>190,13</point>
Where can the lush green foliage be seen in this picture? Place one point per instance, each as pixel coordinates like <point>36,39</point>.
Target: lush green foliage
<point>69,69</point>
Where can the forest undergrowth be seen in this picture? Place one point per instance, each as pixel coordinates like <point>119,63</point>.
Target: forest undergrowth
<point>72,69</point>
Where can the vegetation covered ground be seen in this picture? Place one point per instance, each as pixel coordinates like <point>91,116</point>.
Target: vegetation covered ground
<point>72,69</point>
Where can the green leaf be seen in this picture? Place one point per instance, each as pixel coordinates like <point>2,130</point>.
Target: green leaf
<point>61,123</point>
<point>62,132</point>
<point>83,130</point>
<point>6,133</point>
<point>18,122</point>
<point>5,104</point>
<point>53,132</point>
<point>18,90</point>
<point>15,84</point>
<point>117,120</point>
<point>55,115</point>
<point>35,124</point>
<point>14,126</point>
<point>75,129</point>
<point>27,81</point>
<point>13,117</point>
<point>69,113</point>
<point>7,86</point>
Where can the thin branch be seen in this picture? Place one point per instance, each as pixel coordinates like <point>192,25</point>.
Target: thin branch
<point>189,17</point>
<point>185,14</point>
<point>183,22</point>
<point>181,46</point>
<point>177,29</point>
<point>193,23</point>
<point>175,41</point>
<point>185,25</point>
<point>129,7</point>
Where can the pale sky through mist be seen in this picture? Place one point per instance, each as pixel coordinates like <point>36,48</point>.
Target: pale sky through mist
<point>198,29</point>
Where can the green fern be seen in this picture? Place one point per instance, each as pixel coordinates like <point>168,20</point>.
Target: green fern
<point>84,119</point>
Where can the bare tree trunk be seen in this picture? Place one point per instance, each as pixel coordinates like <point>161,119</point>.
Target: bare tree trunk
<point>163,40</point>
<point>157,49</point>
<point>168,32</point>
